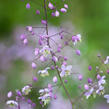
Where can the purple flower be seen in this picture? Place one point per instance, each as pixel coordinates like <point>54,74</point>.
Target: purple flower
<point>37,12</point>
<point>44,22</point>
<point>66,6</point>
<point>78,52</point>
<point>22,37</point>
<point>86,87</point>
<point>54,58</point>
<point>89,80</point>
<point>34,65</point>
<point>55,79</point>
<point>50,5</point>
<point>29,28</point>
<point>19,93</point>
<point>57,13</point>
<point>89,68</point>
<point>63,10</point>
<point>107,97</point>
<point>80,77</point>
<point>89,93</point>
<point>28,6</point>
<point>9,95</point>
<point>35,79</point>
<point>25,41</point>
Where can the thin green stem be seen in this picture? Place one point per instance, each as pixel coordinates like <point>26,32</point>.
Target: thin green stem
<point>52,54</point>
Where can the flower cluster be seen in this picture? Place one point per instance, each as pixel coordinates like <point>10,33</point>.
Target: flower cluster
<point>45,95</point>
<point>96,87</point>
<point>44,51</point>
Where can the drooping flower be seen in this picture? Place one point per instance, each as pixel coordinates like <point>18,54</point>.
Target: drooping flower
<point>78,52</point>
<point>102,80</point>
<point>26,90</point>
<point>89,67</point>
<point>28,6</point>
<point>9,95</point>
<point>63,10</point>
<point>29,28</point>
<point>65,70</point>
<point>107,97</point>
<point>34,65</point>
<point>57,13</point>
<point>37,12</point>
<point>22,37</point>
<point>12,103</point>
<point>25,41</point>
<point>80,77</point>
<point>66,6</point>
<point>54,58</point>
<point>76,39</point>
<point>36,51</point>
<point>45,96</point>
<point>100,90</point>
<point>44,22</point>
<point>50,5</point>
<point>44,72</point>
<point>45,51</point>
<point>107,60</point>
<point>86,87</point>
<point>89,93</point>
<point>55,79</point>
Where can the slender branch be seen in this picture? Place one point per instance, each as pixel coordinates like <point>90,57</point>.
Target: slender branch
<point>52,54</point>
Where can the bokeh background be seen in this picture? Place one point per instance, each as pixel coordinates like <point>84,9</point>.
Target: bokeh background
<point>88,17</point>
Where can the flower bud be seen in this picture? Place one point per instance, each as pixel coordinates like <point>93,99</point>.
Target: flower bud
<point>55,79</point>
<point>34,65</point>
<point>28,6</point>
<point>86,87</point>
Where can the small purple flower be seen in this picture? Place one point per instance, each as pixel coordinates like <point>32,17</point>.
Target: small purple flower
<point>54,58</point>
<point>28,6</point>
<point>9,95</point>
<point>55,79</point>
<point>107,97</point>
<point>55,97</point>
<point>42,58</point>
<point>50,5</point>
<point>34,65</point>
<point>89,68</point>
<point>19,93</point>
<point>25,41</point>
<point>63,10</point>
<point>80,77</point>
<point>65,81</point>
<point>107,71</point>
<point>66,6</point>
<point>57,13</point>
<point>37,12</point>
<point>53,14</point>
<point>29,101</point>
<point>22,37</point>
<point>36,51</point>
<point>86,87</point>
<point>78,52</point>
<point>89,80</point>
<point>52,67</point>
<point>33,105</point>
<point>98,77</point>
<point>35,79</point>
<point>65,58</point>
<point>29,28</point>
<point>44,22</point>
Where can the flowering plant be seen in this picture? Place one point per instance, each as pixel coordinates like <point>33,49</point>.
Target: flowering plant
<point>45,52</point>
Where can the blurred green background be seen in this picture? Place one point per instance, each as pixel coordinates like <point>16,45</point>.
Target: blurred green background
<point>89,17</point>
